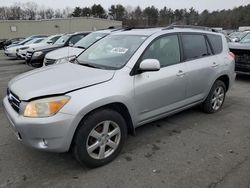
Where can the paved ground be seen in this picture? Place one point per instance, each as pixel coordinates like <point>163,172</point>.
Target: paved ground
<point>188,150</point>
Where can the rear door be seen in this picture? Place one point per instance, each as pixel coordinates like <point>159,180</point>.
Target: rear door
<point>201,65</point>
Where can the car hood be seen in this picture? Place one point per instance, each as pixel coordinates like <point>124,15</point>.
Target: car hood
<point>58,79</point>
<point>64,52</point>
<point>47,47</point>
<point>239,46</point>
<point>12,49</point>
<point>13,45</point>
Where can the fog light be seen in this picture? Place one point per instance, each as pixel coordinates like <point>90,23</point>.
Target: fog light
<point>45,142</point>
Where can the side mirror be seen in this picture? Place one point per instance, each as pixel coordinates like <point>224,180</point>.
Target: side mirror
<point>148,65</point>
<point>50,42</point>
<point>71,44</point>
<point>236,39</point>
<point>72,58</point>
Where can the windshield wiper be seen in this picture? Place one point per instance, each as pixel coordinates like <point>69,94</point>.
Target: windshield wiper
<point>80,47</point>
<point>87,64</point>
<point>90,65</point>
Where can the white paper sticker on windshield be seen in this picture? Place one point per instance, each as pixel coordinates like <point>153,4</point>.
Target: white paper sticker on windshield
<point>119,50</point>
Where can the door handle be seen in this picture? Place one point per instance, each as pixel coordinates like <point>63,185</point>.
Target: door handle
<point>180,73</point>
<point>215,65</point>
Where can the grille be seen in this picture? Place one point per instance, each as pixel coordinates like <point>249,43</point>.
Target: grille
<point>49,61</point>
<point>28,54</point>
<point>13,100</point>
<point>242,58</point>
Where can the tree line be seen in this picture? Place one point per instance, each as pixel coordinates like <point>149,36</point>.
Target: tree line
<point>149,16</point>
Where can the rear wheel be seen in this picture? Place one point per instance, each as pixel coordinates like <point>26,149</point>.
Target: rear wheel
<point>216,98</point>
<point>100,138</point>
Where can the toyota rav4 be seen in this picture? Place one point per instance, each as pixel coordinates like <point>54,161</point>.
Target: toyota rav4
<point>123,81</point>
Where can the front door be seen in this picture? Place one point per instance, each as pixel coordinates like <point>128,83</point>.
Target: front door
<point>159,92</point>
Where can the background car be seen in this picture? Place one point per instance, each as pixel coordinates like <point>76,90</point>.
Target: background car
<point>10,50</point>
<point>21,51</point>
<point>71,52</point>
<point>22,42</point>
<point>241,51</point>
<point>36,56</point>
<point>237,36</point>
<point>12,41</point>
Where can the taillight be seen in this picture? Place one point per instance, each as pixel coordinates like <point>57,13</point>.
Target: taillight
<point>231,54</point>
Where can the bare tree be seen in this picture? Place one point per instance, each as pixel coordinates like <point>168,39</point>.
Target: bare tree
<point>49,13</point>
<point>30,9</point>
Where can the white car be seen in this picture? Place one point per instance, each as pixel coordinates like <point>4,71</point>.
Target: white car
<point>22,50</point>
<point>12,51</point>
<point>66,54</point>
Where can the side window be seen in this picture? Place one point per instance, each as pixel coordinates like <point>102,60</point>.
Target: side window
<point>166,50</point>
<point>216,42</point>
<point>194,46</point>
<point>39,40</point>
<point>55,39</point>
<point>75,39</point>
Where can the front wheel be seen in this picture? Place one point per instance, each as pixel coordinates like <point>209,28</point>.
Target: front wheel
<point>216,98</point>
<point>100,138</point>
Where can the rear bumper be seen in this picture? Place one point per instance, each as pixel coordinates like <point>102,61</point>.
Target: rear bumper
<point>48,134</point>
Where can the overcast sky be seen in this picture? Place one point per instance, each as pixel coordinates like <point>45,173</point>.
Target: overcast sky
<point>174,4</point>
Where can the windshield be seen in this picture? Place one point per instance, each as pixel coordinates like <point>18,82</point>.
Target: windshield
<point>31,41</point>
<point>246,39</point>
<point>52,39</point>
<point>235,34</point>
<point>62,39</point>
<point>25,41</point>
<point>34,41</point>
<point>89,40</point>
<point>112,52</point>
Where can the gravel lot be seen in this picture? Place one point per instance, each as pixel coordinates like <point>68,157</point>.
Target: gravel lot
<point>188,150</point>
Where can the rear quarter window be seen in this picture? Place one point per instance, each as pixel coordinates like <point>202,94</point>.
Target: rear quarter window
<point>216,43</point>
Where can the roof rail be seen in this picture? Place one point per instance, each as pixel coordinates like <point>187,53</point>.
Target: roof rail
<point>190,27</point>
<point>128,28</point>
<point>138,27</point>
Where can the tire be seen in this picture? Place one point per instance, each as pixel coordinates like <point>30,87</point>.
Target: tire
<point>98,132</point>
<point>215,98</point>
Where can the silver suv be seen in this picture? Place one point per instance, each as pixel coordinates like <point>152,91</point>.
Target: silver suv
<point>123,81</point>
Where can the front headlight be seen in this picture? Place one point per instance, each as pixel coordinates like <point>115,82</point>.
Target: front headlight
<point>45,107</point>
<point>65,60</point>
<point>36,54</point>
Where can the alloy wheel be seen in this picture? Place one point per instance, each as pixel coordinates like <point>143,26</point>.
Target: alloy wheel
<point>103,140</point>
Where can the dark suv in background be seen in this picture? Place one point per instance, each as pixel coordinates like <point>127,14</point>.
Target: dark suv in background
<point>36,56</point>
<point>241,50</point>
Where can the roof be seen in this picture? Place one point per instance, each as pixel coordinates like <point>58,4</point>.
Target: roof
<point>151,31</point>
